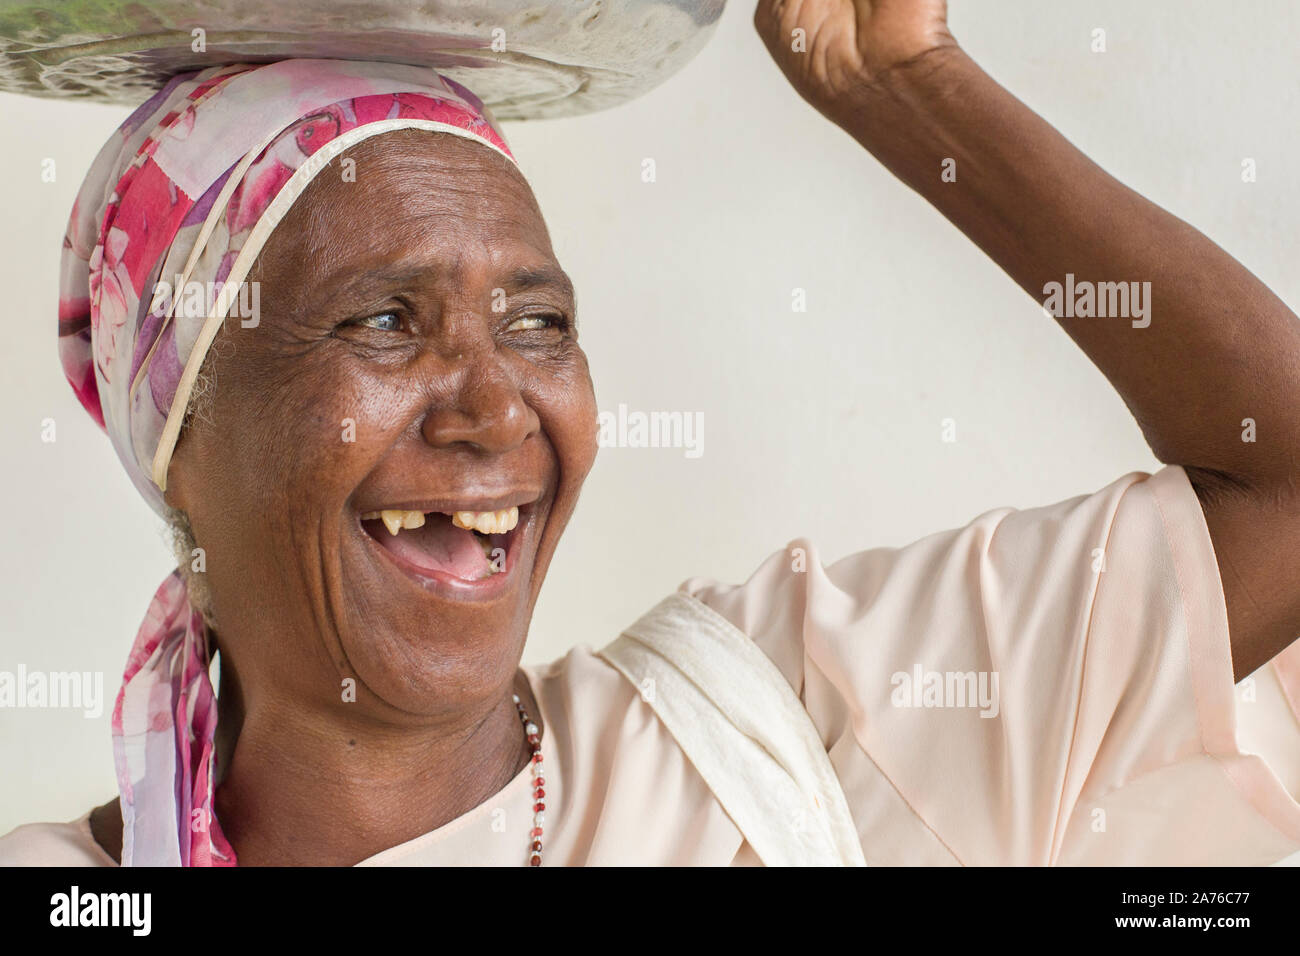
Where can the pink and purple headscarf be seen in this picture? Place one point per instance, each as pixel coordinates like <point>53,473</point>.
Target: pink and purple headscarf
<point>184,196</point>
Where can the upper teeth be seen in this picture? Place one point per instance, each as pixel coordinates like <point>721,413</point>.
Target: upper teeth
<point>487,522</point>
<point>484,522</point>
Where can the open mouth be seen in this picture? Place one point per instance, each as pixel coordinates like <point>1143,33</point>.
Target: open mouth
<point>466,546</point>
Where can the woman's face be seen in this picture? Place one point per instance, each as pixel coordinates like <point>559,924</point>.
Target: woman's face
<point>415,352</point>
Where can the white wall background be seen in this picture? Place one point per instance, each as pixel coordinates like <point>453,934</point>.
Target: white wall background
<point>824,424</point>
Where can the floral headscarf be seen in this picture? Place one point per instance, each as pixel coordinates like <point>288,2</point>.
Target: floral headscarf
<point>182,198</point>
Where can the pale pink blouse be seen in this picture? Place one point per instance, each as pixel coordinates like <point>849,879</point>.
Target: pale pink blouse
<point>1117,736</point>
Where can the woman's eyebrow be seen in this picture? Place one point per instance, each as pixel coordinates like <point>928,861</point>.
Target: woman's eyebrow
<point>363,284</point>
<point>366,283</point>
<point>531,278</point>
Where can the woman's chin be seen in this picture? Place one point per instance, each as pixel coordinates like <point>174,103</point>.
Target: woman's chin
<point>424,664</point>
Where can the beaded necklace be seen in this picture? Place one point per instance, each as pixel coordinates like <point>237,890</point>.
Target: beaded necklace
<point>533,734</point>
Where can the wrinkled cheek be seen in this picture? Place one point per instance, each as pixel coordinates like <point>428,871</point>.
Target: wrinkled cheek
<point>290,452</point>
<point>573,421</point>
<point>590,445</point>
<point>332,424</point>
<point>591,434</point>
<point>309,453</point>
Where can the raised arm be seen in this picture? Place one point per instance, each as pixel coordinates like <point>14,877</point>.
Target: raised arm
<point>1199,346</point>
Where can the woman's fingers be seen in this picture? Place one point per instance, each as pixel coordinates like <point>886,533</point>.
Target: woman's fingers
<point>829,48</point>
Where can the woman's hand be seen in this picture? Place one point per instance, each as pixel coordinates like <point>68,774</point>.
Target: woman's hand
<point>830,50</point>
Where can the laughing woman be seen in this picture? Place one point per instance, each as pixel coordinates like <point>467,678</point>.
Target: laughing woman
<point>378,466</point>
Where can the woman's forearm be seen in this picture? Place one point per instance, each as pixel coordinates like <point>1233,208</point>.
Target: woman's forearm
<point>1199,345</point>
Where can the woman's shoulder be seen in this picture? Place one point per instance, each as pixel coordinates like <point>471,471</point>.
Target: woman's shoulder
<point>580,675</point>
<point>53,844</point>
<point>593,716</point>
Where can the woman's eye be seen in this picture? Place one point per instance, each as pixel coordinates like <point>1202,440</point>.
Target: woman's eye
<point>530,323</point>
<point>383,322</point>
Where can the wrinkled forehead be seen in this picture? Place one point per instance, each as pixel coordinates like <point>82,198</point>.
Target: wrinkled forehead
<point>407,201</point>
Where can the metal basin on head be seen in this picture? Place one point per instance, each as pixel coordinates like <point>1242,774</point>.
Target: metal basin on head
<point>524,60</point>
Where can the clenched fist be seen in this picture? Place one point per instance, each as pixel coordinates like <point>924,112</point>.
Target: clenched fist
<point>829,49</point>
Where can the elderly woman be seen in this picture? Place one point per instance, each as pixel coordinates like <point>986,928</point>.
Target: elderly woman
<point>369,464</point>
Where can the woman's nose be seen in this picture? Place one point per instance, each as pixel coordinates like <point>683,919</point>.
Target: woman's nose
<point>486,410</point>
